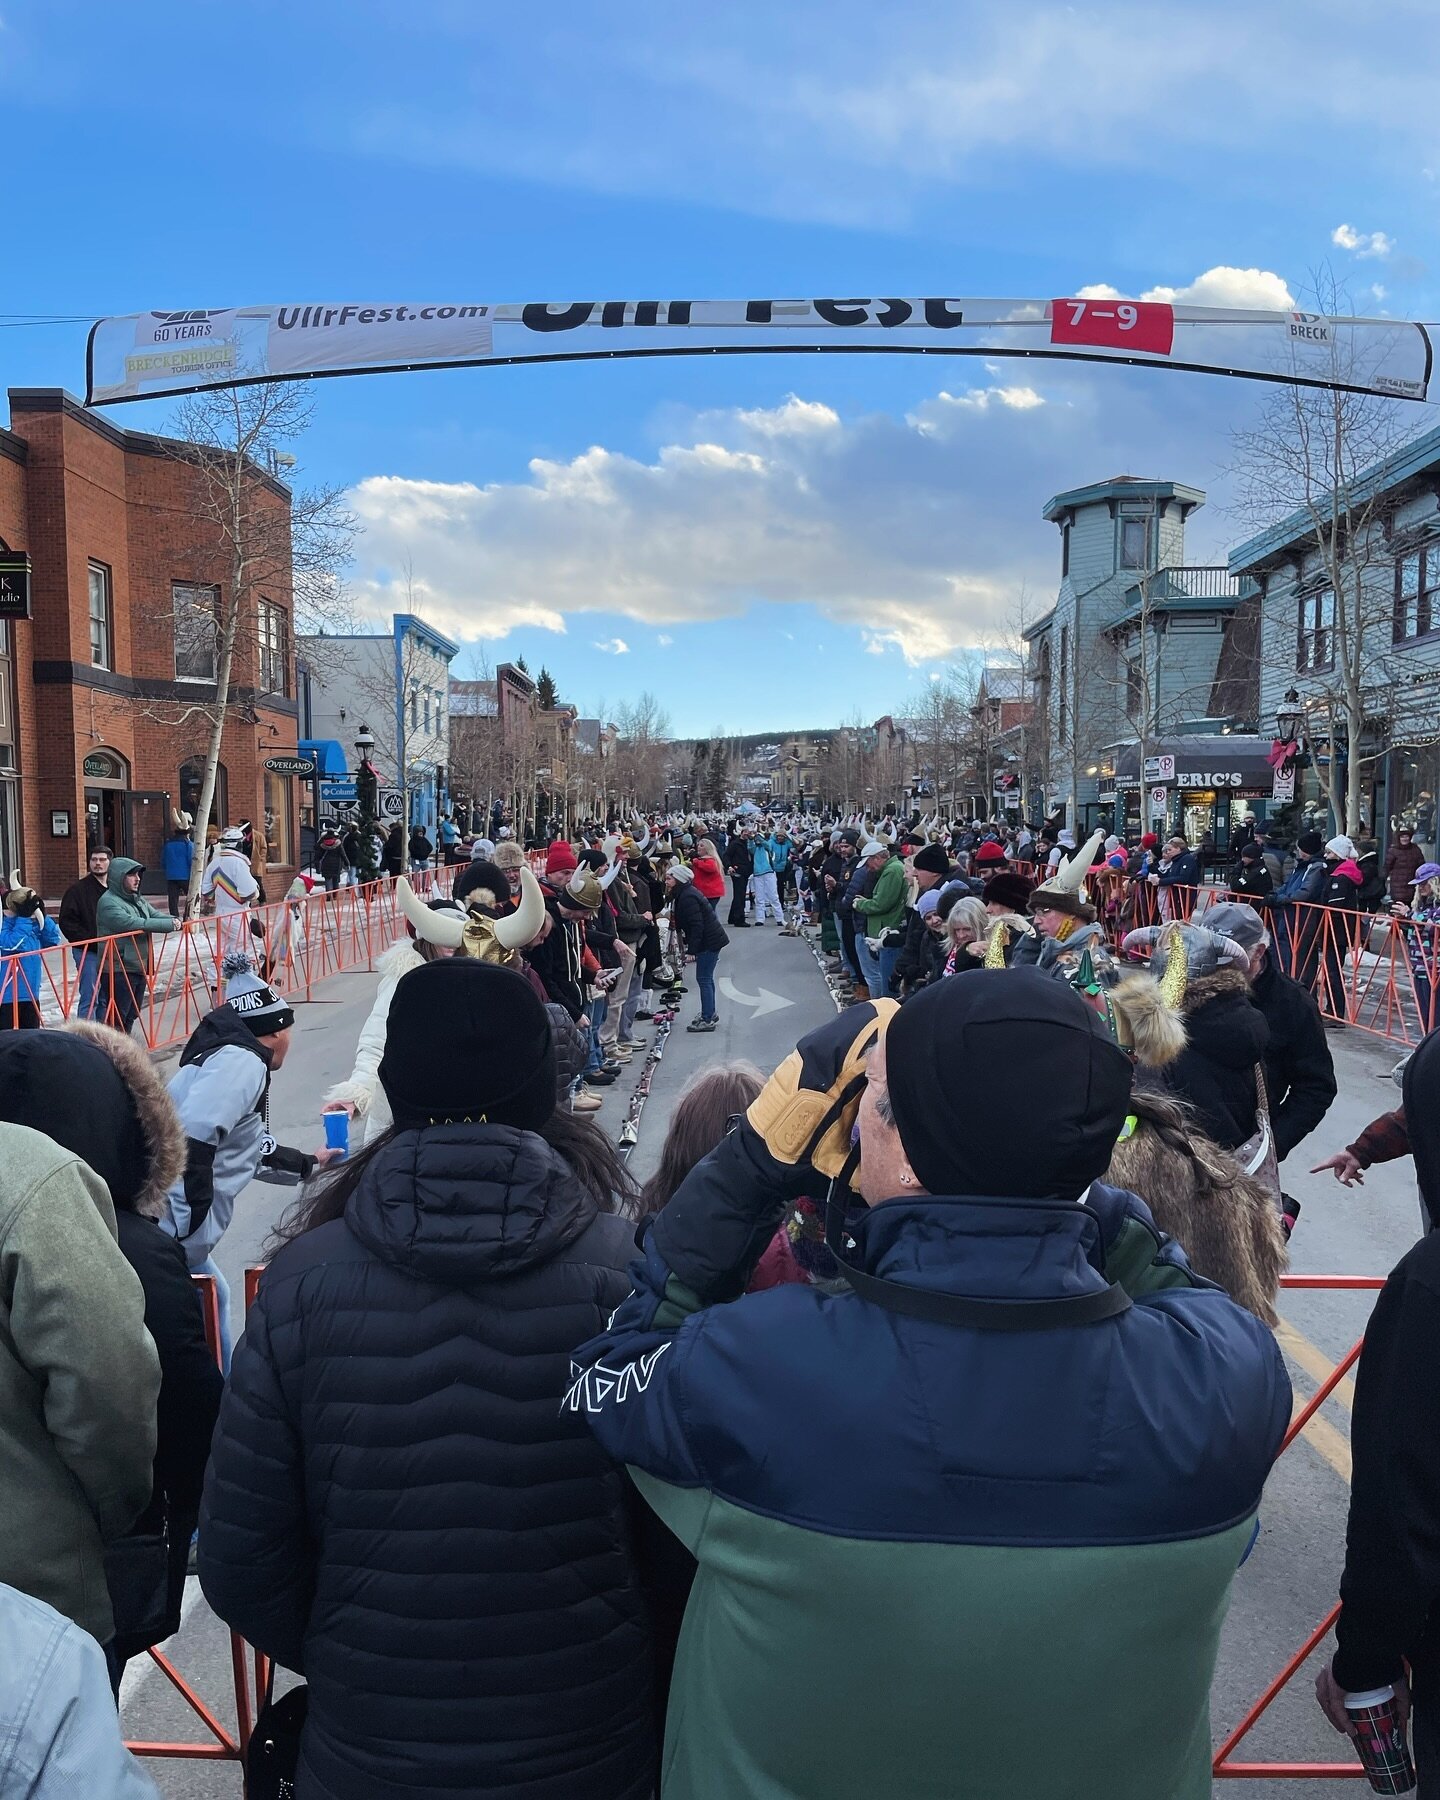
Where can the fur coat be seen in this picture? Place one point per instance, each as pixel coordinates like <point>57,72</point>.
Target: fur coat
<point>1225,1222</point>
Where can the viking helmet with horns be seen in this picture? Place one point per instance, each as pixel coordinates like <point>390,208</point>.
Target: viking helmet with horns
<point>479,933</point>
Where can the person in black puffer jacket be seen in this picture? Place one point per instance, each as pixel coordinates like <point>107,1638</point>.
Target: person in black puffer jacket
<point>396,1507</point>
<point>704,938</point>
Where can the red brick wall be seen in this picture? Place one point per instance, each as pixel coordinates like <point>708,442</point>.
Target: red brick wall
<point>15,530</point>
<point>84,496</point>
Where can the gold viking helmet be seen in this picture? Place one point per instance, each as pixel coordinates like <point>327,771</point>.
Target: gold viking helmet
<point>478,934</point>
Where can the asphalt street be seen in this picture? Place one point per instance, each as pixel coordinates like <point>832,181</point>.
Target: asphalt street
<point>771,992</point>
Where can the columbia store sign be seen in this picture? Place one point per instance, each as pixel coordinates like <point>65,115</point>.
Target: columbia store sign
<point>141,356</point>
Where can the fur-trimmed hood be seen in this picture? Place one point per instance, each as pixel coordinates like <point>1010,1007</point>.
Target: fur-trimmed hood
<point>1200,990</point>
<point>159,1121</point>
<point>94,1093</point>
<point>1155,1030</point>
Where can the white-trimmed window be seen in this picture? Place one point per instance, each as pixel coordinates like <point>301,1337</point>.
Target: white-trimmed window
<point>196,607</point>
<point>272,631</point>
<point>102,618</point>
<point>1316,645</point>
<point>1135,539</point>
<point>1417,593</point>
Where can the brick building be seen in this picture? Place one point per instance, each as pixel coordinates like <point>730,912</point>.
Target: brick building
<point>96,686</point>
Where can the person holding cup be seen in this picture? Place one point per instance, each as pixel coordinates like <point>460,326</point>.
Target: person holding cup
<point>1391,1583</point>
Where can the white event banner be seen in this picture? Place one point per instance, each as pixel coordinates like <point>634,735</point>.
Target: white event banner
<point>141,356</point>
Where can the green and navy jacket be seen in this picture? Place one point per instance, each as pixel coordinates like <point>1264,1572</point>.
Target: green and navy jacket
<point>938,1562</point>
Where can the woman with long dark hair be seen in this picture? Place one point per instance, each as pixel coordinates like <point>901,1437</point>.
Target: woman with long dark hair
<point>397,1507</point>
<point>701,1119</point>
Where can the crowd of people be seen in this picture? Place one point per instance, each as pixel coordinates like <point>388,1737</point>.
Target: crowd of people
<point>550,1484</point>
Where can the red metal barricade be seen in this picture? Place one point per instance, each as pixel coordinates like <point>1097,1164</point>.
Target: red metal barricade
<point>1224,1767</point>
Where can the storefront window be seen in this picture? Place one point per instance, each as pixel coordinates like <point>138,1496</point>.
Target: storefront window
<point>1197,818</point>
<point>10,825</point>
<point>277,817</point>
<point>1414,782</point>
<point>192,773</point>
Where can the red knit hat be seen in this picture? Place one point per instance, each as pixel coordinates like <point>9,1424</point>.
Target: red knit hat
<point>990,852</point>
<point>560,858</point>
<point>1149,841</point>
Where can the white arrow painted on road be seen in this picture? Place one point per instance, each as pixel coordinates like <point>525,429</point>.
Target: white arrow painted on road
<point>761,1003</point>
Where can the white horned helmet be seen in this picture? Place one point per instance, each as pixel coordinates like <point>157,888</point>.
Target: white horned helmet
<point>478,933</point>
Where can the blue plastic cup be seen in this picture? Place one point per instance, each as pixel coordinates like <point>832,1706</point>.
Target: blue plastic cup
<point>337,1132</point>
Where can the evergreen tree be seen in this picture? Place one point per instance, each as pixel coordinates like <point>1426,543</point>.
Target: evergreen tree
<point>546,693</point>
<point>696,788</point>
<point>717,776</point>
<point>522,665</point>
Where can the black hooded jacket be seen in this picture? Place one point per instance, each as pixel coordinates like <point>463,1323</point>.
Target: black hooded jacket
<point>1226,1037</point>
<point>1299,1069</point>
<point>559,960</point>
<point>398,1508</point>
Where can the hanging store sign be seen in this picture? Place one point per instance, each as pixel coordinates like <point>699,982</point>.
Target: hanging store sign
<point>303,766</point>
<point>138,356</point>
<point>14,584</point>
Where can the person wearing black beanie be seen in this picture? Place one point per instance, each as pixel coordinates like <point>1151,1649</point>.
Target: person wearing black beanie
<point>952,1057</point>
<point>933,860</point>
<point>1018,1439</point>
<point>929,868</point>
<point>392,1450</point>
<point>468,1042</point>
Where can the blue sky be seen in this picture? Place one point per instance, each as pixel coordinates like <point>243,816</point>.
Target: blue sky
<point>759,543</point>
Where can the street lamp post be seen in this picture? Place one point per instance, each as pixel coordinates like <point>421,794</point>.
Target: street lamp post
<point>1289,717</point>
<point>365,786</point>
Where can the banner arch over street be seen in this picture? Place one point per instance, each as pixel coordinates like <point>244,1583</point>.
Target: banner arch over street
<point>158,355</point>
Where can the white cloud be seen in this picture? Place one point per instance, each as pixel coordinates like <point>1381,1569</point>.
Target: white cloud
<point>915,531</point>
<point>930,416</point>
<point>1378,292</point>
<point>664,640</point>
<point>796,418</point>
<point>1258,289</point>
<point>1254,290</point>
<point>1362,243</point>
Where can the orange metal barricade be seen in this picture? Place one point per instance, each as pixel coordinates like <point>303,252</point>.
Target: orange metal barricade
<point>1224,1767</point>
<point>304,941</point>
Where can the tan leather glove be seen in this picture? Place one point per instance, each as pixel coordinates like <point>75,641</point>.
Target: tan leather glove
<point>806,1111</point>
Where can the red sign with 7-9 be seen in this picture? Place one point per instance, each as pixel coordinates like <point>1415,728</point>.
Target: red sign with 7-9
<point>1145,325</point>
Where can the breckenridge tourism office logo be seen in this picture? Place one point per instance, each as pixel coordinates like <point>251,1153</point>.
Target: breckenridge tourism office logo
<point>182,343</point>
